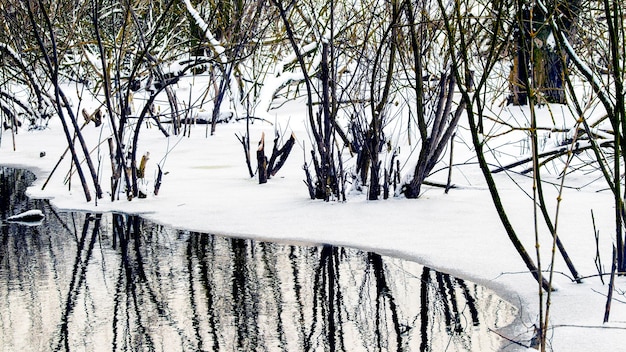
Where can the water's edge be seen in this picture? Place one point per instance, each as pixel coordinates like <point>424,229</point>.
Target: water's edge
<point>326,258</point>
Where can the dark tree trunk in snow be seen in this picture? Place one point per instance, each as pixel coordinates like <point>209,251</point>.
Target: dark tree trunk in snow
<point>538,59</point>
<point>520,71</point>
<point>262,161</point>
<point>279,155</point>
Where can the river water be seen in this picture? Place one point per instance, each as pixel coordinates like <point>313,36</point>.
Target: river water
<point>114,282</point>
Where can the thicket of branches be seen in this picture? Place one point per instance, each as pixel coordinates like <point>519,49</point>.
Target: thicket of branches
<point>375,74</point>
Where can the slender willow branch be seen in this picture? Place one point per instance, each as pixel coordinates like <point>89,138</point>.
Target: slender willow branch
<point>117,131</point>
<point>53,70</point>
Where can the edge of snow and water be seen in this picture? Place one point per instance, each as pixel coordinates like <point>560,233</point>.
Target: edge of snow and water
<point>207,190</point>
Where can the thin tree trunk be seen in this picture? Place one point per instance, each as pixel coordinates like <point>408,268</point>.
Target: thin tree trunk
<point>609,296</point>
<point>261,161</point>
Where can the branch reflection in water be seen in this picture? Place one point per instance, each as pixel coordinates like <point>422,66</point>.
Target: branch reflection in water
<point>117,282</point>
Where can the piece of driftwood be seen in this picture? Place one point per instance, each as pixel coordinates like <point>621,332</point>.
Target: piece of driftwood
<point>30,217</point>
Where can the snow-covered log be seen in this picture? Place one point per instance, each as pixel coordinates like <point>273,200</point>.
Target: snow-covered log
<point>29,217</point>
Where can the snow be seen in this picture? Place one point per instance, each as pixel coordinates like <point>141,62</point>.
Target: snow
<point>27,214</point>
<point>206,188</point>
<point>31,217</point>
<point>215,44</point>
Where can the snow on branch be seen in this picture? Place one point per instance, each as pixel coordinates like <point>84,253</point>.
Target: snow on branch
<point>581,65</point>
<point>7,49</point>
<point>18,60</point>
<point>280,79</point>
<point>25,69</point>
<point>215,44</point>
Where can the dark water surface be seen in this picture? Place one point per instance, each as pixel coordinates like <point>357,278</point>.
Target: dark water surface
<point>113,282</point>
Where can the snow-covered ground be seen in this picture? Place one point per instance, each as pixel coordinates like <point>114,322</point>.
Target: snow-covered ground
<point>206,188</point>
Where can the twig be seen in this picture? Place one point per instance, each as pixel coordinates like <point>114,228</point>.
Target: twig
<point>604,294</point>
<point>508,339</point>
<point>609,296</point>
<point>588,326</point>
<point>448,186</point>
<point>543,271</point>
<point>597,236</point>
<point>244,139</point>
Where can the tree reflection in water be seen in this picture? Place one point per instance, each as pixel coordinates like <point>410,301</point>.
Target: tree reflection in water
<point>117,282</point>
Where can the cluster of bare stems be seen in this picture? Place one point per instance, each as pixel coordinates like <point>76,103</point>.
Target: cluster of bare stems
<point>553,53</point>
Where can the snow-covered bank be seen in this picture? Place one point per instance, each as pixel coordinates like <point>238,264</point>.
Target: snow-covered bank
<point>206,189</point>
